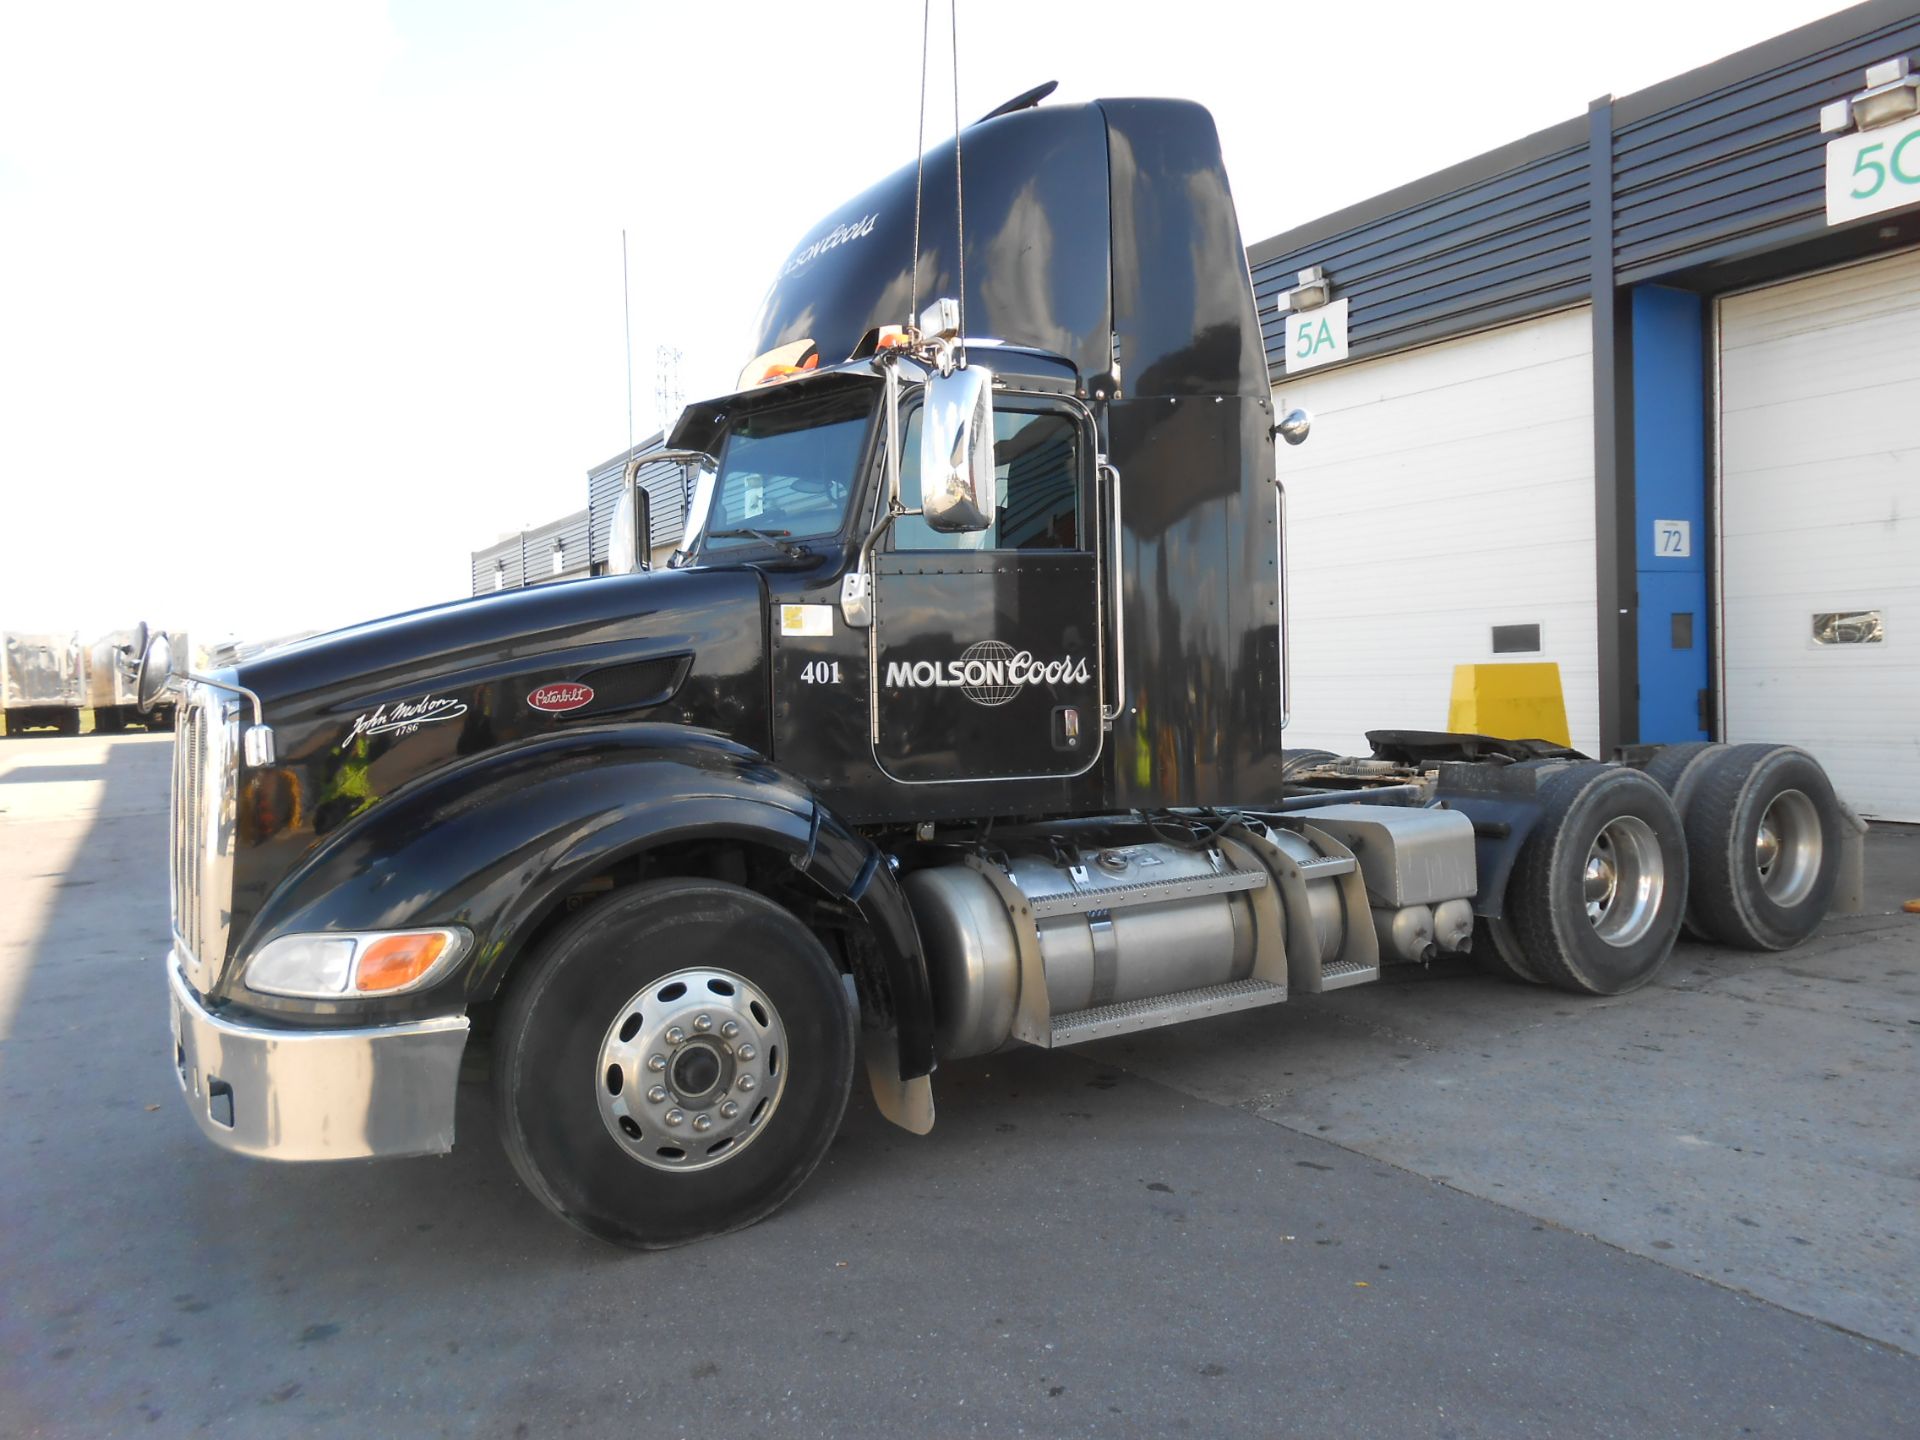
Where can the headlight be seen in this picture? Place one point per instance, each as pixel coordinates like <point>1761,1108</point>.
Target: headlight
<point>374,962</point>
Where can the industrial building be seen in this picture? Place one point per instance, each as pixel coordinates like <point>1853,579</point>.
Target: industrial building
<point>1638,395</point>
<point>1655,377</point>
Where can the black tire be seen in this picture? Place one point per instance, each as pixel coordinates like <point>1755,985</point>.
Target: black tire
<point>1629,824</point>
<point>1677,769</point>
<point>108,722</point>
<point>1737,897</point>
<point>68,723</point>
<point>1499,953</point>
<point>551,1041</point>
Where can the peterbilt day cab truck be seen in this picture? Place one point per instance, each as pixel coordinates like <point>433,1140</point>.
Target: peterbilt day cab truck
<point>957,724</point>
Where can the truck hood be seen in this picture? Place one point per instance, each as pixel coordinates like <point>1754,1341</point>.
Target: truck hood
<point>360,713</point>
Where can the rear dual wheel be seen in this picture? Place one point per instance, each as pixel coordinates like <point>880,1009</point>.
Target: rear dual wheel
<point>1764,835</point>
<point>1596,898</point>
<point>673,1063</point>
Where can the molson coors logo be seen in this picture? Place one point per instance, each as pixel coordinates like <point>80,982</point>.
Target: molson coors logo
<point>839,235</point>
<point>988,672</point>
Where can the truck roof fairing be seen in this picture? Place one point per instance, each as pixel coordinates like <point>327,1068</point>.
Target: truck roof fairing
<point>1068,210</point>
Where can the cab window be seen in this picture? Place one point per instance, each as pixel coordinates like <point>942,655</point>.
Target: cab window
<point>1036,467</point>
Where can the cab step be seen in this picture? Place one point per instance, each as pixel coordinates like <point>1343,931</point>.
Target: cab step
<point>1078,1026</point>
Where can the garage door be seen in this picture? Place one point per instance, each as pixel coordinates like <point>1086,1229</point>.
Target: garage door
<point>1443,492</point>
<point>1820,525</point>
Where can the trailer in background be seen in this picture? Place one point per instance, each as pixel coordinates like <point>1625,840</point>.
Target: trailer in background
<point>40,682</point>
<point>107,668</point>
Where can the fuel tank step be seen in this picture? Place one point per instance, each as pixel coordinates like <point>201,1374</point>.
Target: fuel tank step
<point>1077,1026</point>
<point>1341,973</point>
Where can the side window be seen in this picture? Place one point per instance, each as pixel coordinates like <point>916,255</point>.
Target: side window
<point>1036,468</point>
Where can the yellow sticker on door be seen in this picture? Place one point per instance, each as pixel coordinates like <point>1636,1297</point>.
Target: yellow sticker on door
<point>806,620</point>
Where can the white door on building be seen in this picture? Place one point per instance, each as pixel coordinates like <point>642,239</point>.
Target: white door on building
<point>1819,525</point>
<point>1443,492</point>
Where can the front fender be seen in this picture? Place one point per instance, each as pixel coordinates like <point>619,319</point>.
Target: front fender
<point>494,843</point>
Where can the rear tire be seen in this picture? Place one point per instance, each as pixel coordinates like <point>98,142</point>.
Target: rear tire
<point>1763,836</point>
<point>1677,769</point>
<point>1499,953</point>
<point>1596,898</point>
<point>594,1031</point>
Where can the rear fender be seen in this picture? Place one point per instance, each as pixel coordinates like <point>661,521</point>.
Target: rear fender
<point>496,843</point>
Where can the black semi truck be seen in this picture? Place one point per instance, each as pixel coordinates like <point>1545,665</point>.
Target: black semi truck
<point>957,724</point>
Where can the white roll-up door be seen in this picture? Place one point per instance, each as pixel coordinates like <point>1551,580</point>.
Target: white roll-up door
<point>1819,533</point>
<point>1443,492</point>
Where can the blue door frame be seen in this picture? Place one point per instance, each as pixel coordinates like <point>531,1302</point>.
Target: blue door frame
<point>1670,506</point>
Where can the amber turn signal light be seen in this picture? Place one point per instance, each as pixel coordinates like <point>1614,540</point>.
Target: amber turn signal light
<point>395,961</point>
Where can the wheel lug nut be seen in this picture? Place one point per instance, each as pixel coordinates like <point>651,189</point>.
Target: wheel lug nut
<point>703,1123</point>
<point>746,1082</point>
<point>728,1109</point>
<point>703,1022</point>
<point>657,1094</point>
<point>675,1035</point>
<point>656,1063</point>
<point>674,1117</point>
<point>747,1052</point>
<point>730,1028</point>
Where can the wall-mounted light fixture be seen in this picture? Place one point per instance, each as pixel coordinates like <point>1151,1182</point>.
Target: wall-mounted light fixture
<point>500,574</point>
<point>1311,289</point>
<point>559,555</point>
<point>1892,93</point>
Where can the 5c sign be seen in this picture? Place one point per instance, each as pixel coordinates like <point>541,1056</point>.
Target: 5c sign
<point>1872,171</point>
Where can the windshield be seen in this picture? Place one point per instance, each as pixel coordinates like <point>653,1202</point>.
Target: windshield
<point>787,472</point>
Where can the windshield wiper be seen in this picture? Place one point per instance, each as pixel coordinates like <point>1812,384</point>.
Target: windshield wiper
<point>770,537</point>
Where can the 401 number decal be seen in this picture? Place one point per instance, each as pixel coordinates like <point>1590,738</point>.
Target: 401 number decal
<point>821,672</point>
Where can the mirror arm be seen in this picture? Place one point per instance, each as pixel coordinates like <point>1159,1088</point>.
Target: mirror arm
<point>856,586</point>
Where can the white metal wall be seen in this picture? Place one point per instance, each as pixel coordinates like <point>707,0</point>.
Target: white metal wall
<point>1819,511</point>
<point>1443,491</point>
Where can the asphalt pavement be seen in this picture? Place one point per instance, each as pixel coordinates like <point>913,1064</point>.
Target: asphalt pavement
<point>1440,1206</point>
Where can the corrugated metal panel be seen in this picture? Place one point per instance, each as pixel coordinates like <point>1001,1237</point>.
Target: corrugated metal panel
<point>537,550</point>
<point>1450,258</point>
<point>1446,490</point>
<point>499,566</point>
<point>1741,166</point>
<point>664,487</point>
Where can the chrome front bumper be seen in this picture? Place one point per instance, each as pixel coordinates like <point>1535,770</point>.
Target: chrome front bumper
<point>316,1094</point>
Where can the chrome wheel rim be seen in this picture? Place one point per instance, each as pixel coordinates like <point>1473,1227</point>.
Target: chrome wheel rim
<point>1787,848</point>
<point>1624,880</point>
<point>691,1069</point>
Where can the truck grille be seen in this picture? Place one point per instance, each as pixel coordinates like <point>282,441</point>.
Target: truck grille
<point>189,823</point>
<point>202,830</point>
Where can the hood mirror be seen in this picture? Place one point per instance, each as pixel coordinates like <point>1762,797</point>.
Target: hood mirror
<point>1294,427</point>
<point>957,495</point>
<point>153,672</point>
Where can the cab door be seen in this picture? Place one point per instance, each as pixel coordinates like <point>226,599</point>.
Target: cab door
<point>988,648</point>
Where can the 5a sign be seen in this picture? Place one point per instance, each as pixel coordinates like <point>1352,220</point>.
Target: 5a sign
<point>1873,170</point>
<point>1316,337</point>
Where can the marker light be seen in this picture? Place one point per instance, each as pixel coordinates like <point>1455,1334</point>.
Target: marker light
<point>394,962</point>
<point>327,967</point>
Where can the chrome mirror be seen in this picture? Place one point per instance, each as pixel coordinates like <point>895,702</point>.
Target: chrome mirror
<point>154,673</point>
<point>127,657</point>
<point>956,452</point>
<point>1294,427</point>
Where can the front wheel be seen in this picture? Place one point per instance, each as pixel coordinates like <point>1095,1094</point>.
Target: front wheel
<point>674,1063</point>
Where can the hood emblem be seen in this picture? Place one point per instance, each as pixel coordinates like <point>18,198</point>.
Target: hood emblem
<point>560,697</point>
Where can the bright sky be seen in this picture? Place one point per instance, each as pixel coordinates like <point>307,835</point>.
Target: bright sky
<point>300,304</point>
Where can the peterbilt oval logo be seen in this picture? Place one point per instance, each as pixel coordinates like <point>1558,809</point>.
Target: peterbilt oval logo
<point>561,697</point>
